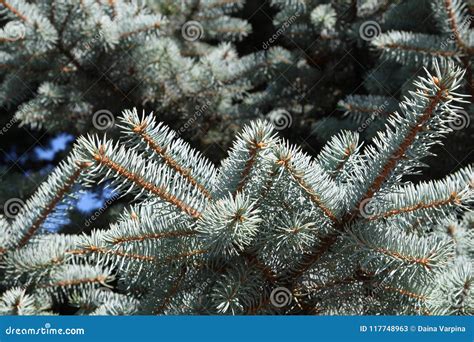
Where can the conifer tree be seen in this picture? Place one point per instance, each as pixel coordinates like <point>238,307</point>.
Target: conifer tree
<point>388,41</point>
<point>402,48</point>
<point>330,40</point>
<point>270,231</point>
<point>72,65</point>
<point>177,61</point>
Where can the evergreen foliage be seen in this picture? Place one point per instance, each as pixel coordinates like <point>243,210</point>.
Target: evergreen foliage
<point>71,64</point>
<point>388,41</point>
<point>75,65</point>
<point>271,231</point>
